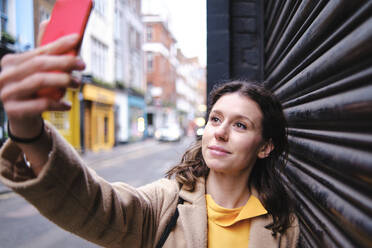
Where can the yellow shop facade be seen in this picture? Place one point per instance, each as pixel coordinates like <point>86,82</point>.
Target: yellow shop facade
<point>98,118</point>
<point>68,122</point>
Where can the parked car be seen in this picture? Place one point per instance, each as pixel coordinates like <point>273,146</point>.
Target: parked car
<point>169,133</point>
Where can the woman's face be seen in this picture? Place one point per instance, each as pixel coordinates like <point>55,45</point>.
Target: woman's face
<point>232,138</point>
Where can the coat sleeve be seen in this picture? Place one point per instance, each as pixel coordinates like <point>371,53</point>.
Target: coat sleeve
<point>75,198</point>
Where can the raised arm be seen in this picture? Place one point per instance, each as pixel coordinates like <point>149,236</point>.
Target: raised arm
<point>22,76</point>
<point>59,185</point>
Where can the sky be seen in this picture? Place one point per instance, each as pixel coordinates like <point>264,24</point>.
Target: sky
<point>187,21</point>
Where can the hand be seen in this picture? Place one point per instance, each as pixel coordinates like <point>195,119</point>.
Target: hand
<point>23,75</point>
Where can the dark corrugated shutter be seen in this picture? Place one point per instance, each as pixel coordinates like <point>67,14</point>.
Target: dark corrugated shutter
<point>318,61</point>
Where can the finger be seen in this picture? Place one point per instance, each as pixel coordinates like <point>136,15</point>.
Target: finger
<point>28,87</point>
<point>18,110</point>
<point>58,47</point>
<point>42,27</point>
<point>63,45</point>
<point>43,63</point>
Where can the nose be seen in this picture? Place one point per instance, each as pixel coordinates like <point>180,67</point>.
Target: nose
<point>221,132</point>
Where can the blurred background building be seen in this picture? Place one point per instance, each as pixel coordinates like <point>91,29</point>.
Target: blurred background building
<point>136,79</point>
<point>176,84</point>
<point>191,93</point>
<point>129,72</point>
<point>161,65</point>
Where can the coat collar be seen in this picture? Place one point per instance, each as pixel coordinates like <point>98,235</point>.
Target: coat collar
<point>197,196</point>
<point>193,215</point>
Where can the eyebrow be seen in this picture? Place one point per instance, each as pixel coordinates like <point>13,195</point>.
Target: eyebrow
<point>236,116</point>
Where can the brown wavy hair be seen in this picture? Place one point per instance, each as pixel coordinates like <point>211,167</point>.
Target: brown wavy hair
<point>265,176</point>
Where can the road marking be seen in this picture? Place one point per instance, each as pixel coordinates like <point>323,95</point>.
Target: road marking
<point>7,195</point>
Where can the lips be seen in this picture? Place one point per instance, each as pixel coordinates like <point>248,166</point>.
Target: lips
<point>218,150</point>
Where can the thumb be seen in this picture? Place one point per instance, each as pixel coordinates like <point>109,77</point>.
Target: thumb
<point>42,28</point>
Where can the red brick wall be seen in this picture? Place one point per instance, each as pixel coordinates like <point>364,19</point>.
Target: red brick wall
<point>163,74</point>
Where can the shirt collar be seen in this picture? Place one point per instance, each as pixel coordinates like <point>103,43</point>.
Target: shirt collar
<point>227,217</point>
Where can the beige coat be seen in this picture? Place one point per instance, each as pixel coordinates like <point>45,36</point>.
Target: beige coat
<point>117,215</point>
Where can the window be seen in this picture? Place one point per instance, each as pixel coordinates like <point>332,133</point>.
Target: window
<point>134,40</point>
<point>4,16</point>
<point>60,120</point>
<point>106,129</point>
<point>99,7</point>
<point>44,14</point>
<point>137,7</point>
<point>150,62</point>
<point>98,58</point>
<point>118,24</point>
<point>132,4</point>
<point>118,62</point>
<point>138,41</point>
<point>149,33</point>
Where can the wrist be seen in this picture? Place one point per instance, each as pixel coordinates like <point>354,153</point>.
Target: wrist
<point>27,131</point>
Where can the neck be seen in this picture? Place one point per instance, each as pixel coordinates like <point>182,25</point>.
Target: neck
<point>228,191</point>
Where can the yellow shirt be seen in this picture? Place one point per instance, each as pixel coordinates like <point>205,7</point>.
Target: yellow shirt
<point>230,227</point>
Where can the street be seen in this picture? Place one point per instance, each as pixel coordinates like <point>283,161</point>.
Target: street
<point>137,164</point>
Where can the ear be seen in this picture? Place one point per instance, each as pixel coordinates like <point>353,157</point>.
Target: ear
<point>265,149</point>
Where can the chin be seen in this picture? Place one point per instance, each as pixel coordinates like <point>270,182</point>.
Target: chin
<point>216,165</point>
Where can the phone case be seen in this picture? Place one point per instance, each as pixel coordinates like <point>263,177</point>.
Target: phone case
<point>68,17</point>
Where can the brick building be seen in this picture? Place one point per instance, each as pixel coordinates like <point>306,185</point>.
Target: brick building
<point>160,64</point>
<point>159,46</point>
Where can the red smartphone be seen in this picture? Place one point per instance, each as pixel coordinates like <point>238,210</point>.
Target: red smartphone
<point>68,17</point>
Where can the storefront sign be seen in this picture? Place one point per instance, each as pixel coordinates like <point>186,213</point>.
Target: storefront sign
<point>98,94</point>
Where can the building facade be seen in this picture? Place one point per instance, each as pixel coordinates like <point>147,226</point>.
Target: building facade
<point>98,91</point>
<point>129,71</point>
<point>191,93</point>
<point>160,64</point>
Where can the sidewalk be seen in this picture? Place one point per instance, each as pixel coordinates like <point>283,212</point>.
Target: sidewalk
<point>92,158</point>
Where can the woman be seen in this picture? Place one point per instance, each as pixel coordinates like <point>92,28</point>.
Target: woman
<point>226,192</point>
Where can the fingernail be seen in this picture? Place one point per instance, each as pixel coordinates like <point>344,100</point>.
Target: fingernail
<point>66,104</point>
<point>75,83</point>
<point>80,64</point>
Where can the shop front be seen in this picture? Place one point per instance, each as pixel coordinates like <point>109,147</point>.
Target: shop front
<point>99,125</point>
<point>68,122</point>
<point>137,118</point>
<point>121,117</point>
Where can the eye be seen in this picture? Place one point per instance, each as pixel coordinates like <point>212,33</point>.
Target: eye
<point>214,119</point>
<point>240,125</point>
